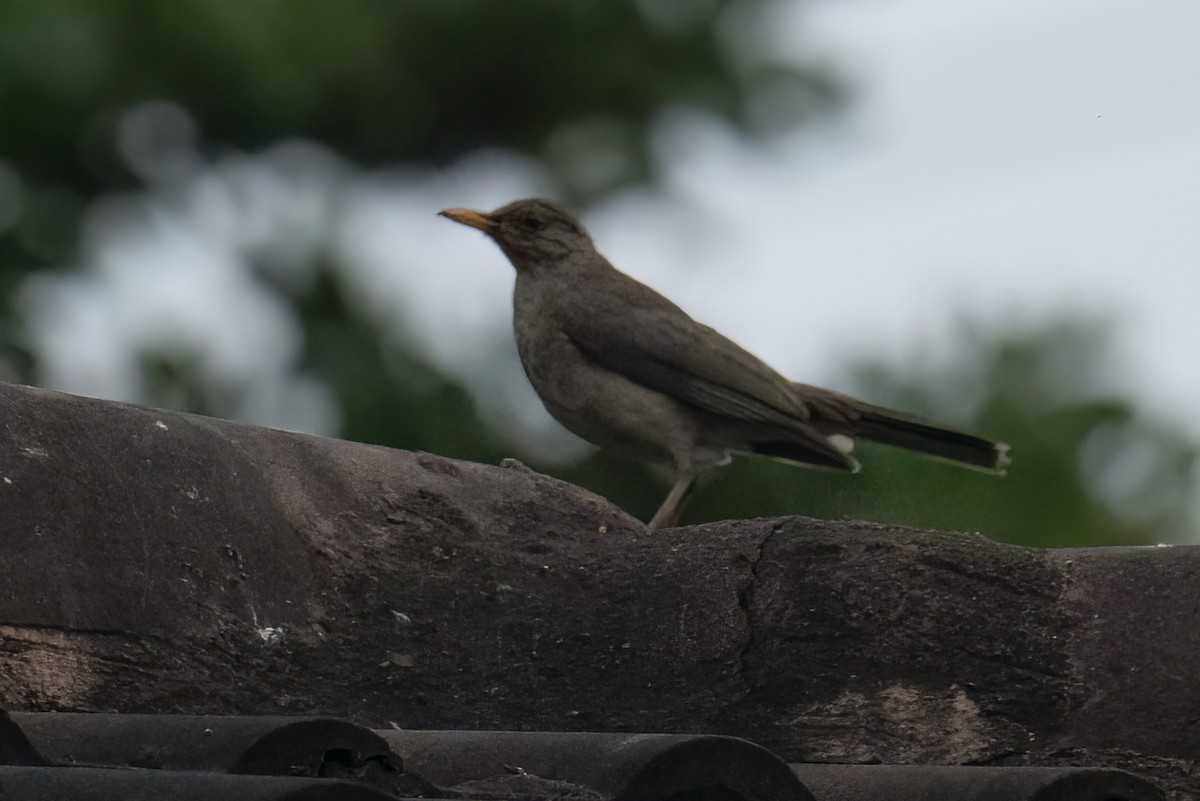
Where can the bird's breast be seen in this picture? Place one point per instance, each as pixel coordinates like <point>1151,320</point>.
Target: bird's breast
<point>550,359</point>
<point>597,404</point>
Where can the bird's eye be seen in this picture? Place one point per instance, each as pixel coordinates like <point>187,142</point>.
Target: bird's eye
<point>531,223</point>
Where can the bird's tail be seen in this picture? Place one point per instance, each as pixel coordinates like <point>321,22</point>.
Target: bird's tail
<point>888,427</point>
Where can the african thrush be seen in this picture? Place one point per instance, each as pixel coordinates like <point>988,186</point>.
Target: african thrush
<point>623,367</point>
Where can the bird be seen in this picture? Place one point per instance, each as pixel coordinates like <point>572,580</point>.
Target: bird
<point>623,367</point>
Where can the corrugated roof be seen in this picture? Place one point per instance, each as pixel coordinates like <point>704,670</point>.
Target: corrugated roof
<point>106,757</point>
<point>166,563</point>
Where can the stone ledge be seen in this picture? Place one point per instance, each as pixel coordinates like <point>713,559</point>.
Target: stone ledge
<point>163,562</point>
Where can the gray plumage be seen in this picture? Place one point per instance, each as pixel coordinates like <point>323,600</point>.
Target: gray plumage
<point>623,367</point>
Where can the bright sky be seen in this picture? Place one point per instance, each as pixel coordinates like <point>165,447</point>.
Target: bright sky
<point>1007,159</point>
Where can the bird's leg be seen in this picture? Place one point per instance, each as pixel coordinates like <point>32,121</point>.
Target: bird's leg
<point>668,514</point>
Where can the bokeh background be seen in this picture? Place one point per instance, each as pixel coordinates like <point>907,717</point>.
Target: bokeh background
<point>985,212</point>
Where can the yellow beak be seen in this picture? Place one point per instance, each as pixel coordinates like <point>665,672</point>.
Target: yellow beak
<point>471,218</point>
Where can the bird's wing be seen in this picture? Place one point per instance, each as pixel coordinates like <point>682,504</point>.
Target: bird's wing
<point>656,344</point>
<point>670,353</point>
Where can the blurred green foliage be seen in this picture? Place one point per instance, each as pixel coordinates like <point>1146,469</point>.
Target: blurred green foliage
<point>379,81</point>
<point>575,85</point>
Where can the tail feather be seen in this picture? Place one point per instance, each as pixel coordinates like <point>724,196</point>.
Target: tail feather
<point>895,428</point>
<point>791,451</point>
<point>837,420</point>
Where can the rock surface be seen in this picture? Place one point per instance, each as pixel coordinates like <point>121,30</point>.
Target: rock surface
<point>163,562</point>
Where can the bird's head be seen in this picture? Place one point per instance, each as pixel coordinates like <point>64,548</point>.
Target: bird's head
<point>530,232</point>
